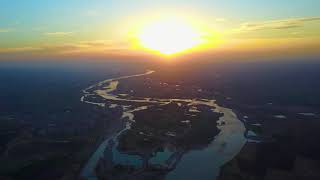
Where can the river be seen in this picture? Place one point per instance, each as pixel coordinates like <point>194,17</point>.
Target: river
<point>195,164</point>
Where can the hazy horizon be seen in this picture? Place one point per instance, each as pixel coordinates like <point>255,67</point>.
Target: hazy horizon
<point>112,29</point>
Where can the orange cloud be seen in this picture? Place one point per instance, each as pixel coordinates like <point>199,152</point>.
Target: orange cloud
<point>20,49</point>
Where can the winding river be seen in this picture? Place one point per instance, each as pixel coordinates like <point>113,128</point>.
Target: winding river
<point>195,164</point>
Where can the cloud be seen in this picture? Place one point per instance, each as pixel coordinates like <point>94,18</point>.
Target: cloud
<point>96,43</point>
<point>5,30</point>
<point>277,24</point>
<point>92,46</point>
<point>82,45</point>
<point>42,48</point>
<point>20,49</point>
<point>92,13</point>
<point>57,34</point>
<point>220,20</point>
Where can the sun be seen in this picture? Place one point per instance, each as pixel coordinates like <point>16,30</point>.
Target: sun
<point>169,36</point>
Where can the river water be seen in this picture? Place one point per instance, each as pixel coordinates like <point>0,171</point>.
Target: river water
<point>201,164</point>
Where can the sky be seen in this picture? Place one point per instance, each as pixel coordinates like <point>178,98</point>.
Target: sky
<point>109,28</point>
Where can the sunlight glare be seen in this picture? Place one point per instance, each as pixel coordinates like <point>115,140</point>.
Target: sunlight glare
<point>169,36</point>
